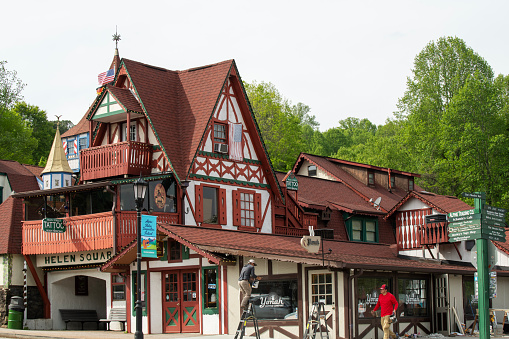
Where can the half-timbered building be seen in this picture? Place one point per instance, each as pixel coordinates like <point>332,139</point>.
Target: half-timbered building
<point>193,137</point>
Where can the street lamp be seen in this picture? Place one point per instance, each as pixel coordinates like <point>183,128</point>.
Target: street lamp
<point>140,188</point>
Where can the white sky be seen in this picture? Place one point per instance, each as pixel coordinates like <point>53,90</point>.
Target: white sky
<point>341,58</point>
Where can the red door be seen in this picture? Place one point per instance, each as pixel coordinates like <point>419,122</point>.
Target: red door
<point>180,301</point>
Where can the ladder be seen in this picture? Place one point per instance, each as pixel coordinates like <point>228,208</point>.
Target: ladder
<point>247,315</point>
<point>317,322</point>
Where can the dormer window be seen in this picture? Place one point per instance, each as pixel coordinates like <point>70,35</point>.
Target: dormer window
<point>312,170</point>
<point>411,184</point>
<point>132,131</point>
<point>371,178</point>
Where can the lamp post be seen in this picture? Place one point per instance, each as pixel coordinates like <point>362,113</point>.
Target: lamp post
<point>140,188</point>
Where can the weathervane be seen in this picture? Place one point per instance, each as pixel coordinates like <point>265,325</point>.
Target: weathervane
<point>58,120</point>
<point>116,37</point>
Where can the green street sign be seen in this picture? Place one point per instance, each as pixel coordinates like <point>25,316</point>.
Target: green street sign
<point>491,222</point>
<point>53,225</point>
<point>493,237</point>
<point>464,229</point>
<point>474,216</point>
<point>494,215</point>
<point>494,209</point>
<point>464,237</point>
<point>460,213</point>
<point>465,223</point>
<point>494,232</point>
<point>291,183</point>
<point>465,233</point>
<point>481,195</point>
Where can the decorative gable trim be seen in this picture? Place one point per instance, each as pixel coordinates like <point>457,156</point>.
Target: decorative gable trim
<point>412,194</point>
<point>147,116</point>
<point>229,181</point>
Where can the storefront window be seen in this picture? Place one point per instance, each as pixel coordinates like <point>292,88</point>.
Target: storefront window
<point>276,299</point>
<point>367,294</point>
<point>34,208</point>
<point>56,206</point>
<point>89,202</point>
<point>210,287</point>
<point>412,297</point>
<point>143,295</point>
<point>161,197</point>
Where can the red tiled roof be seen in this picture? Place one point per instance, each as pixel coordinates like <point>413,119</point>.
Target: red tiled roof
<point>322,192</point>
<point>125,98</point>
<point>287,248</point>
<point>20,176</point>
<point>178,105</point>
<point>11,214</point>
<point>503,246</point>
<point>80,128</point>
<point>442,203</point>
<point>389,198</point>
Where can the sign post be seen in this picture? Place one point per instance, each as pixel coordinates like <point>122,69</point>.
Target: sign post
<point>483,223</point>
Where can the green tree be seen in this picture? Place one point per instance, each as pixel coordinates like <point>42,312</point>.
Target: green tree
<point>16,140</point>
<point>440,72</point>
<point>42,129</point>
<point>10,87</point>
<point>284,127</point>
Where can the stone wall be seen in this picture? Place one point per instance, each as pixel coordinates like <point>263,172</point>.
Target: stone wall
<point>35,302</point>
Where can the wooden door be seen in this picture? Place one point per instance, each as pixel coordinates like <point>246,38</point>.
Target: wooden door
<point>180,301</point>
<point>322,288</point>
<point>442,304</point>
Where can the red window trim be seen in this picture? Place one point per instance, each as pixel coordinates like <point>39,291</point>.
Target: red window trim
<point>221,205</point>
<point>237,209</point>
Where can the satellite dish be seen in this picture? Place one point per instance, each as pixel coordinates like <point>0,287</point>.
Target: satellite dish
<point>377,203</point>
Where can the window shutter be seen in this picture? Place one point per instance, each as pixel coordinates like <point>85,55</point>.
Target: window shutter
<point>222,206</point>
<point>199,203</point>
<point>236,208</point>
<point>258,209</point>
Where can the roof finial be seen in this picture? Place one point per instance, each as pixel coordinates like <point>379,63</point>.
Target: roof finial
<point>116,38</point>
<point>58,120</point>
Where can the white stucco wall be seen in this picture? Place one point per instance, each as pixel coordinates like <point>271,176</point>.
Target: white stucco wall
<point>61,293</point>
<point>455,300</point>
<point>156,304</point>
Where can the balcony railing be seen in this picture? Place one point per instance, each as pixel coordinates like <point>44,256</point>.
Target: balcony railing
<point>412,231</point>
<point>124,158</point>
<point>86,233</point>
<point>298,220</point>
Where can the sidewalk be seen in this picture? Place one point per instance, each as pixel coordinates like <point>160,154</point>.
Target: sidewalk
<point>34,334</point>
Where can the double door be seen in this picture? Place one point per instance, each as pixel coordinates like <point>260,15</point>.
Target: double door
<point>180,301</point>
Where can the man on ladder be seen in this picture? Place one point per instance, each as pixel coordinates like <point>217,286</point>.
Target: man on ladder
<point>246,275</point>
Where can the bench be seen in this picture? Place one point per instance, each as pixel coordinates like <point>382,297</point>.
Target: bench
<point>116,314</point>
<point>82,316</point>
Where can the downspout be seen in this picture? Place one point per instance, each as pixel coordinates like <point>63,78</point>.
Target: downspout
<point>350,299</point>
<point>114,213</point>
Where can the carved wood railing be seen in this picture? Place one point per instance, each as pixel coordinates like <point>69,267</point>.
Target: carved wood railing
<point>83,233</point>
<point>297,220</point>
<point>86,233</point>
<point>124,158</point>
<point>412,231</point>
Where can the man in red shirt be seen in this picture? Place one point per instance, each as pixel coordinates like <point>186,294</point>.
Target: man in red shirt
<point>388,306</point>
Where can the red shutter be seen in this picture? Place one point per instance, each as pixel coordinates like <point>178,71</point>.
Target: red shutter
<point>199,203</point>
<point>258,209</point>
<point>222,206</point>
<point>236,208</point>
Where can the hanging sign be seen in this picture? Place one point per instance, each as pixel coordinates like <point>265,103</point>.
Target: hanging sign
<point>148,236</point>
<point>292,184</point>
<point>53,225</point>
<point>311,243</point>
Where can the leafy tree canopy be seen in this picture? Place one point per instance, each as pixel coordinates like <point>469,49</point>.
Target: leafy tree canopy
<point>10,87</point>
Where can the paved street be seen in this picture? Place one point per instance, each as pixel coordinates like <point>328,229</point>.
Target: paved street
<point>29,334</point>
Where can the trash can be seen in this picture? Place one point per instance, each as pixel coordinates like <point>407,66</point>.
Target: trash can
<point>16,312</point>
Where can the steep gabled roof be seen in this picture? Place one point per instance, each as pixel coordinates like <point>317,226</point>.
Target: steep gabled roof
<point>21,177</point>
<point>441,203</point>
<point>330,166</point>
<point>125,99</point>
<point>178,105</point>
<point>11,214</point>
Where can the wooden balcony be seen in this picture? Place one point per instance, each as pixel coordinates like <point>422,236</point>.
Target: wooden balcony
<point>296,220</point>
<point>412,232</point>
<point>86,233</point>
<point>124,158</point>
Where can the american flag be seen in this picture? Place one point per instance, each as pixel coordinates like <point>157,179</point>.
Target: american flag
<point>106,77</point>
<point>64,144</point>
<point>75,146</point>
<point>235,141</point>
